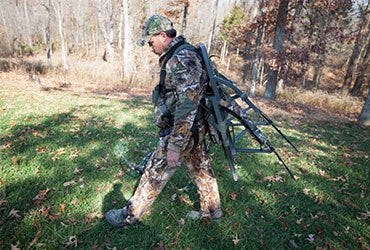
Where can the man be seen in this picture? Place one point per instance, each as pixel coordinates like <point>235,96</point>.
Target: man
<point>182,129</point>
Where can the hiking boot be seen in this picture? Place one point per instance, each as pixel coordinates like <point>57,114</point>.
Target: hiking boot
<point>214,216</point>
<point>119,218</point>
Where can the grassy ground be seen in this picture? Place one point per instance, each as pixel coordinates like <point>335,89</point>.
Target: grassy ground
<point>58,175</point>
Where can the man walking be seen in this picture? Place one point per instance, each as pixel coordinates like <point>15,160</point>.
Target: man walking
<point>182,129</point>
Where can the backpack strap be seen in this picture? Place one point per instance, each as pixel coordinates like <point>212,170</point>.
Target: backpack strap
<point>163,91</point>
<point>173,51</point>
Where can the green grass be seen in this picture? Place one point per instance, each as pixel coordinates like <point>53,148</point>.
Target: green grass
<point>63,142</point>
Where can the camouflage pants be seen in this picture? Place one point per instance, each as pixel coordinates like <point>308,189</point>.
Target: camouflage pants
<point>158,173</point>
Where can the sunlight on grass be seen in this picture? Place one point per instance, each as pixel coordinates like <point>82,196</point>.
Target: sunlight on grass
<point>58,175</point>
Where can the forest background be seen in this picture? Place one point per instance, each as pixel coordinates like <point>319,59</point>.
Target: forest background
<point>267,45</point>
<point>73,84</point>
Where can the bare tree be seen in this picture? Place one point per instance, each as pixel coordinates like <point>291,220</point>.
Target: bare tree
<point>359,48</point>
<point>48,42</point>
<point>58,6</point>
<point>106,24</point>
<point>213,26</point>
<point>362,69</point>
<point>257,57</point>
<point>270,91</point>
<point>7,35</point>
<point>128,56</point>
<point>27,25</point>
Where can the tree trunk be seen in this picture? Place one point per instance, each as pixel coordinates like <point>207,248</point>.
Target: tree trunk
<point>213,27</point>
<point>318,69</point>
<point>247,57</point>
<point>185,17</point>
<point>5,27</point>
<point>128,56</point>
<point>364,118</point>
<point>297,14</point>
<point>270,91</point>
<point>256,58</point>
<point>120,26</point>
<point>58,8</point>
<point>48,35</point>
<point>356,90</point>
<point>356,52</point>
<point>28,26</point>
<point>106,24</point>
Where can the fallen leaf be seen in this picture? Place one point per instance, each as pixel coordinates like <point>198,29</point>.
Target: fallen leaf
<point>248,211</point>
<point>311,238</point>
<point>75,154</point>
<point>120,174</point>
<point>182,221</point>
<point>271,179</point>
<point>14,214</point>
<point>185,199</point>
<point>69,183</point>
<point>6,145</point>
<point>71,242</point>
<point>77,171</point>
<point>319,232</point>
<point>322,173</point>
<point>232,196</point>
<point>54,216</point>
<point>62,207</point>
<point>364,216</point>
<point>95,246</point>
<point>299,222</point>
<point>38,134</point>
<point>303,169</point>
<point>285,224</point>
<point>350,204</point>
<point>104,188</point>
<point>3,202</point>
<point>236,240</point>
<point>57,153</point>
<point>41,149</point>
<point>44,211</point>
<point>159,246</point>
<point>91,216</point>
<point>15,160</point>
<point>40,197</point>
<point>173,197</point>
<point>14,247</point>
<point>37,236</point>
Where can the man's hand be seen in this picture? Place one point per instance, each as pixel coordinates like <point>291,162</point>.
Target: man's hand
<point>173,158</point>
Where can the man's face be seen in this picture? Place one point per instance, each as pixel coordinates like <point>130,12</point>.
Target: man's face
<point>158,43</point>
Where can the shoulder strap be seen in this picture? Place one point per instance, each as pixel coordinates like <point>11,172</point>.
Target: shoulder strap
<point>173,51</point>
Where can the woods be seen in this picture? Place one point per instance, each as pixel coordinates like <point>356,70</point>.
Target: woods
<point>282,43</point>
<point>73,85</point>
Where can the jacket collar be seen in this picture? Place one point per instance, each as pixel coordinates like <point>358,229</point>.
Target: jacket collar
<point>174,42</point>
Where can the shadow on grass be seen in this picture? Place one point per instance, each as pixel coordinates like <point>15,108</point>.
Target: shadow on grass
<point>72,156</point>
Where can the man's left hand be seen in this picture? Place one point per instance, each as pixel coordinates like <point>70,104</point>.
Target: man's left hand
<point>173,158</point>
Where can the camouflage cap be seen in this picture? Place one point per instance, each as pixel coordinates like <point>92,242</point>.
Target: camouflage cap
<point>154,25</point>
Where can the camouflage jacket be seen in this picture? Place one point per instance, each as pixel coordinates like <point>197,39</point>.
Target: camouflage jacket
<point>186,80</point>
